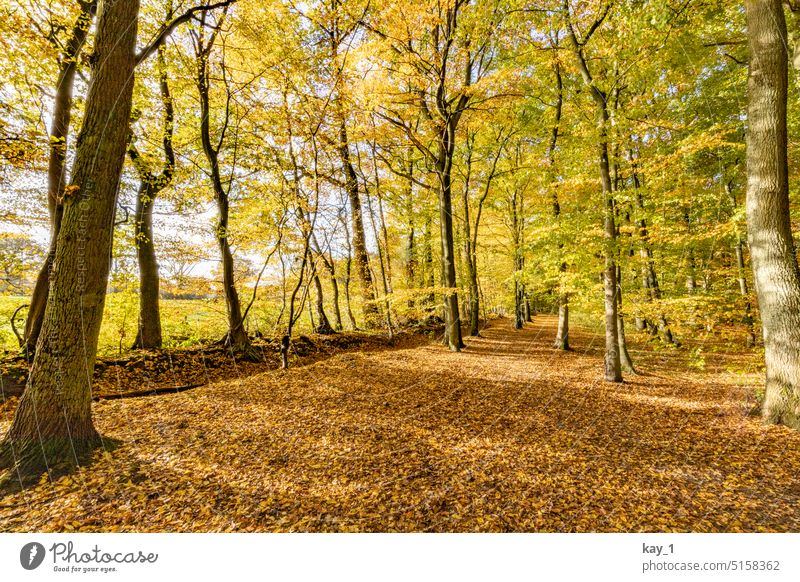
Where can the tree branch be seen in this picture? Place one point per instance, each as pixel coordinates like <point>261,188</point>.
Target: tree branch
<point>167,29</point>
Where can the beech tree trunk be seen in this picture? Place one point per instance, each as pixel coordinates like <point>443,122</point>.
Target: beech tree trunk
<point>323,325</point>
<point>148,335</point>
<point>56,175</point>
<point>452,319</point>
<point>53,422</point>
<point>772,249</point>
<point>613,372</point>
<point>562,335</point>
<point>369,306</point>
<point>236,337</point>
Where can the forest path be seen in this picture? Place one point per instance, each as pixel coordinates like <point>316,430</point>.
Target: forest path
<point>509,435</point>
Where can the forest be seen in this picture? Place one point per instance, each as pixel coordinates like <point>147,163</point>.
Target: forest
<point>399,265</point>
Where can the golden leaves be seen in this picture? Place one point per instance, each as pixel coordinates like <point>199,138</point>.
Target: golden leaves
<point>508,436</point>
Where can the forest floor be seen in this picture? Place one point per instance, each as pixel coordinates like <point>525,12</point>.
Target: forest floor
<point>509,435</point>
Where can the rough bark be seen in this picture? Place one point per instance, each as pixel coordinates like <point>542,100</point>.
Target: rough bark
<point>56,174</point>
<point>772,249</point>
<point>53,424</point>
<point>444,166</point>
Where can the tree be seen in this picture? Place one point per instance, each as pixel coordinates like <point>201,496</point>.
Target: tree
<point>53,422</point>
<point>204,44</point>
<point>68,61</point>
<point>769,231</point>
<point>613,371</point>
<point>439,56</point>
<point>148,335</point>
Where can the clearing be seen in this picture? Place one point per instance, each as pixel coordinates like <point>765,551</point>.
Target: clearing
<point>509,435</point>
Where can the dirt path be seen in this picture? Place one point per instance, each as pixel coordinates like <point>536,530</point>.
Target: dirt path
<point>509,435</point>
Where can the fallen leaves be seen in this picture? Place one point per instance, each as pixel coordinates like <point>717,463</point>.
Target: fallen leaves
<point>509,435</point>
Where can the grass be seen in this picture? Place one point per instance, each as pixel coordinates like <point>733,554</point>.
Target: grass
<point>185,322</point>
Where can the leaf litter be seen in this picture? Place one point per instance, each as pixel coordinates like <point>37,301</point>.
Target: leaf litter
<point>509,435</point>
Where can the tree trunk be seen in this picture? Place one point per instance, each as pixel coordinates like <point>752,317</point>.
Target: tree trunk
<point>323,325</point>
<point>236,337</point>
<point>562,337</point>
<point>368,305</point>
<point>613,373</point>
<point>624,355</point>
<point>337,313</point>
<point>452,319</point>
<point>53,422</point>
<point>56,175</point>
<point>519,292</point>
<point>149,333</point>
<point>772,249</point>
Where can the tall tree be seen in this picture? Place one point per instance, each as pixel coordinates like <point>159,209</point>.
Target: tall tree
<point>148,335</point>
<point>769,229</point>
<point>56,173</point>
<point>204,44</point>
<point>53,422</point>
<point>613,371</point>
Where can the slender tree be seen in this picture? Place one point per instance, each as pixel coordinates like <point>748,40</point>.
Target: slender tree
<point>204,44</point>
<point>148,335</point>
<point>613,371</point>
